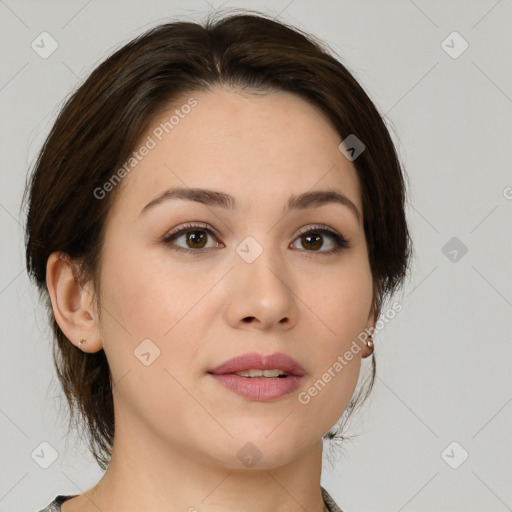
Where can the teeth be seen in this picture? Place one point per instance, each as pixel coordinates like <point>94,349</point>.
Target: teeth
<point>260,373</point>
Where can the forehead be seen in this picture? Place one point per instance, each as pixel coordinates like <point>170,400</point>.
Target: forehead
<point>250,146</point>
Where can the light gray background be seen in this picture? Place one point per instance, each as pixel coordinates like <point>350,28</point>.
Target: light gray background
<point>444,361</point>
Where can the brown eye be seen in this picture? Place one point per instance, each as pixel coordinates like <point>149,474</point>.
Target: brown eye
<point>195,238</point>
<point>313,239</point>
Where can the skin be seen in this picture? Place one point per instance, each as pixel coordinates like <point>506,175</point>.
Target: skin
<point>177,430</point>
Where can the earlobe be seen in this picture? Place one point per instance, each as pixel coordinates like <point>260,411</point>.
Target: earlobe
<point>369,329</point>
<point>72,303</point>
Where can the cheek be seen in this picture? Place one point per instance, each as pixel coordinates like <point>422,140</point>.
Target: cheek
<point>344,301</point>
<point>140,305</point>
<point>343,308</point>
<point>145,297</point>
<point>150,299</point>
<point>131,300</point>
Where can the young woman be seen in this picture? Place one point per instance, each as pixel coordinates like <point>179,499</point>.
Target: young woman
<point>215,221</point>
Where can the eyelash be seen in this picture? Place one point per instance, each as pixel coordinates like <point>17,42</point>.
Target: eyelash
<point>340,241</point>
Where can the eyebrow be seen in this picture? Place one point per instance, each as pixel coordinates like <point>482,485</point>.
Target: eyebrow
<point>312,199</point>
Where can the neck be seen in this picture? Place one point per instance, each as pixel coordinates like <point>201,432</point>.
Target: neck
<point>147,475</point>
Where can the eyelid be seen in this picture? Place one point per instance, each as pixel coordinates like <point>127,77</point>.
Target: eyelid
<point>191,225</point>
<point>307,229</point>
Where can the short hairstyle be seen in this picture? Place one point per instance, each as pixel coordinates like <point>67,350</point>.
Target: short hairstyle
<point>99,125</point>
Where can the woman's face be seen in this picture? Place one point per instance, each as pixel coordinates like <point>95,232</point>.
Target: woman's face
<point>243,280</point>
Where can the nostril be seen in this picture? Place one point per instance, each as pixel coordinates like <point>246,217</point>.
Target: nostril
<point>248,319</point>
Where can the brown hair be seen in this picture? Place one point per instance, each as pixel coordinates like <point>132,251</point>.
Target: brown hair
<point>100,124</point>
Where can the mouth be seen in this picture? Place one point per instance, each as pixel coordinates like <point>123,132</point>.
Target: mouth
<point>260,378</point>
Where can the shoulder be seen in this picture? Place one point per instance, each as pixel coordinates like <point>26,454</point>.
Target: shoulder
<point>329,501</point>
<point>54,506</point>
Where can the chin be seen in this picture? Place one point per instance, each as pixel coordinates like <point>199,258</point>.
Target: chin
<point>259,451</point>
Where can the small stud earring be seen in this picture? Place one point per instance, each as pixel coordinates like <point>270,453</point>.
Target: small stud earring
<point>370,345</point>
<point>81,342</point>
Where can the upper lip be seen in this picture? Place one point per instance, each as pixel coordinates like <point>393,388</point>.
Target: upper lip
<point>253,360</point>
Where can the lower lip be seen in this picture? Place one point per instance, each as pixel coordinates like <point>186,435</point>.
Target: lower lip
<point>262,389</point>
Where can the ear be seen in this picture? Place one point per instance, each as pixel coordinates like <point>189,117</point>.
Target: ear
<point>72,303</point>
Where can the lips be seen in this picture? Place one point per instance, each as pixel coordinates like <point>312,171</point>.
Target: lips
<point>253,360</point>
<point>260,389</point>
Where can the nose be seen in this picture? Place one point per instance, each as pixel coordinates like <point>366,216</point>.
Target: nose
<point>261,293</point>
